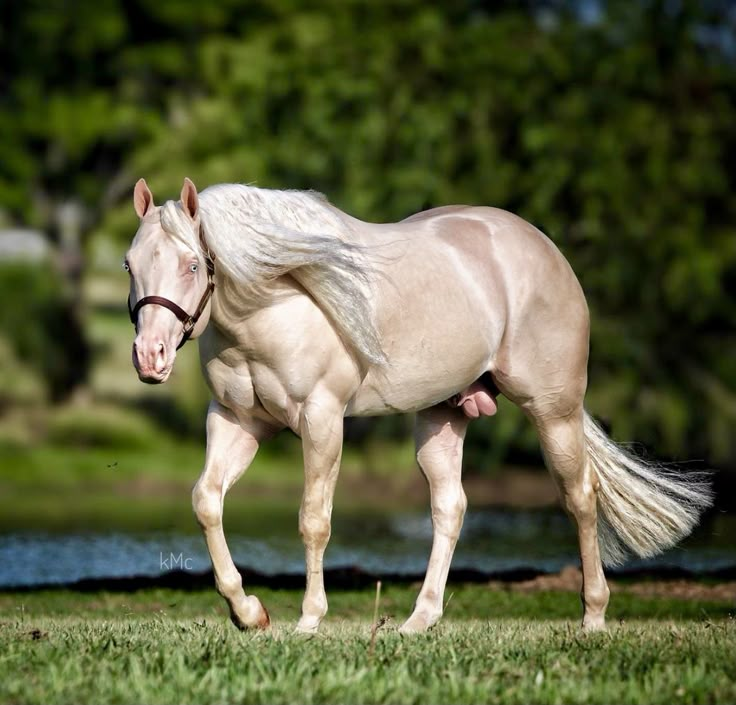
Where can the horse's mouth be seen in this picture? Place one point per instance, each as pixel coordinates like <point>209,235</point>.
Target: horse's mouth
<point>155,377</point>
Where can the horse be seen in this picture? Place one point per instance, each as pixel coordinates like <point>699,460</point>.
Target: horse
<point>305,315</point>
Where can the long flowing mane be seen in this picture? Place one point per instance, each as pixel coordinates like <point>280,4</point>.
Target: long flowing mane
<point>260,234</point>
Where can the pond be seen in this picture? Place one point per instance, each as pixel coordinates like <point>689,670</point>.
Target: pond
<point>493,540</point>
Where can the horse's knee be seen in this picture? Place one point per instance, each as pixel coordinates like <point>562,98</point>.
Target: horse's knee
<point>207,505</point>
<point>314,527</point>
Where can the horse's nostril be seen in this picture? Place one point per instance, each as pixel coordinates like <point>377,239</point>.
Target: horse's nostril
<point>160,357</point>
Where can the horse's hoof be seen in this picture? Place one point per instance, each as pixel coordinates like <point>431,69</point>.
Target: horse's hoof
<point>307,625</point>
<point>417,624</point>
<point>265,620</point>
<point>594,624</point>
<point>257,618</point>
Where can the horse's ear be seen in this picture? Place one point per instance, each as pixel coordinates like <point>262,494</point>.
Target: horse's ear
<point>142,198</point>
<point>189,198</point>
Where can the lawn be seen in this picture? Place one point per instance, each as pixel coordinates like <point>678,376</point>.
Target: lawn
<point>165,646</point>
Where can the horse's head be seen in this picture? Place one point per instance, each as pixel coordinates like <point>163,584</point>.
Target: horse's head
<point>171,272</point>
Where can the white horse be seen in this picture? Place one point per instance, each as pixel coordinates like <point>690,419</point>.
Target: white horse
<point>316,316</point>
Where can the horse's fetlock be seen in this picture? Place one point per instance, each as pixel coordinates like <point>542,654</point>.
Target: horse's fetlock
<point>596,598</point>
<point>230,586</point>
<point>315,606</point>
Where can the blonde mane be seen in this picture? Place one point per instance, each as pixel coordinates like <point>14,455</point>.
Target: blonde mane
<point>260,234</point>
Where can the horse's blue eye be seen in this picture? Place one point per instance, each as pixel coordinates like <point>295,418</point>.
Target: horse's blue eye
<point>126,266</point>
<point>193,267</point>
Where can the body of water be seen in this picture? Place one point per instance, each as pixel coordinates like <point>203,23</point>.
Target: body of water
<point>492,541</point>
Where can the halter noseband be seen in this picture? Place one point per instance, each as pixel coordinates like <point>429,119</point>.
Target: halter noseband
<point>188,321</point>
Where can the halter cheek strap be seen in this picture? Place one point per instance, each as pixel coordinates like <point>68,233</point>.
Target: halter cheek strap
<point>189,321</point>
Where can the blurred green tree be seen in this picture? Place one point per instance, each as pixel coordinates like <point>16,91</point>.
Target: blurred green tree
<point>41,327</point>
<point>610,125</point>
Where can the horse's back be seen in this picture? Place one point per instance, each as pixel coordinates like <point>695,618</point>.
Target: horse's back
<point>510,263</point>
<point>516,255</point>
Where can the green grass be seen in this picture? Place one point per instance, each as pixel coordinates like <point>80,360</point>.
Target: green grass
<point>55,487</point>
<point>91,458</point>
<point>163,646</point>
<point>112,468</point>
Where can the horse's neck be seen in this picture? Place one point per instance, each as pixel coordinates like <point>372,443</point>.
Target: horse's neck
<point>267,342</point>
<point>233,307</point>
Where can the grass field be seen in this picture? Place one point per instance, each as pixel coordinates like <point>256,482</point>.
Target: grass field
<point>164,646</point>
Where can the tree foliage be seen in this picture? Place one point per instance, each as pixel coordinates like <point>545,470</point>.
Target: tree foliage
<point>41,327</point>
<point>610,125</point>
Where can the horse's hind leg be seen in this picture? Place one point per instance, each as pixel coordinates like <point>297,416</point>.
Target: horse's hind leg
<point>439,433</point>
<point>542,367</point>
<point>563,444</point>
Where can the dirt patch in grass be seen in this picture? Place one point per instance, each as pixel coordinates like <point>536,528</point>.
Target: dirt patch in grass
<point>570,579</point>
<point>682,589</point>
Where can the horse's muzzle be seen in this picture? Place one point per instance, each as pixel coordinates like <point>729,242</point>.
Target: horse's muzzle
<point>151,361</point>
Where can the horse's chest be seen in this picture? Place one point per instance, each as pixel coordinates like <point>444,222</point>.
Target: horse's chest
<point>251,389</point>
<point>231,385</point>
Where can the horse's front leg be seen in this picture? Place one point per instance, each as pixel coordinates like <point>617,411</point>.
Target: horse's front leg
<point>321,430</point>
<point>231,446</point>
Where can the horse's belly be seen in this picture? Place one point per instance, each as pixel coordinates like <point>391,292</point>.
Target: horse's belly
<point>441,317</point>
<point>417,381</point>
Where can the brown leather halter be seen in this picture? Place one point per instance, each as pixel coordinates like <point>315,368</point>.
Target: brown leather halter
<point>188,321</point>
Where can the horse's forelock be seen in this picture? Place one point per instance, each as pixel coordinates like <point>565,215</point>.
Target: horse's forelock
<point>153,216</point>
<point>177,224</point>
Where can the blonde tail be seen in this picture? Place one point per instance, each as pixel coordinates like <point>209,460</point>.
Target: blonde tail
<point>643,508</point>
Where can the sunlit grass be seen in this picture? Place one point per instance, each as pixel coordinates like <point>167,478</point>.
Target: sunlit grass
<point>164,646</point>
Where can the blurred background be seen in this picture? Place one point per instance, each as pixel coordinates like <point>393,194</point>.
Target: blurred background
<point>611,125</point>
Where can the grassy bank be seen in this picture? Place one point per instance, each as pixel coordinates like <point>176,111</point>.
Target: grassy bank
<point>163,646</point>
<point>57,487</point>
